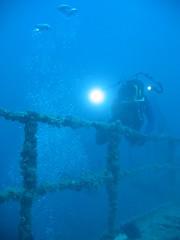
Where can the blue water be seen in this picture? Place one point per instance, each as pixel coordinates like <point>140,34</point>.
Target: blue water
<point>52,72</point>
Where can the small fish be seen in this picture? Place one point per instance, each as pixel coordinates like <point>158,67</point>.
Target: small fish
<point>67,10</point>
<point>41,27</point>
<point>73,11</point>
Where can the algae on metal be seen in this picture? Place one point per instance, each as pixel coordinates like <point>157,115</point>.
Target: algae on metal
<point>110,176</point>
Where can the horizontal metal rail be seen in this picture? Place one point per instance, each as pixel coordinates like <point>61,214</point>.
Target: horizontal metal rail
<point>110,176</point>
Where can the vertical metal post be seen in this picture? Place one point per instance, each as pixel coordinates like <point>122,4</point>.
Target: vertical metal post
<point>112,183</point>
<point>28,167</point>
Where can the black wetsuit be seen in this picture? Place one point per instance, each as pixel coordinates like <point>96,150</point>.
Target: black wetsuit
<point>131,114</point>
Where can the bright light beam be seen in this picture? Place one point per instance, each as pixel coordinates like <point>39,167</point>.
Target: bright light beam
<point>149,88</point>
<point>96,96</point>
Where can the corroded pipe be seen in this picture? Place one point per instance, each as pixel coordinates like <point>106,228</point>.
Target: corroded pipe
<point>74,123</point>
<point>28,167</point>
<point>113,167</point>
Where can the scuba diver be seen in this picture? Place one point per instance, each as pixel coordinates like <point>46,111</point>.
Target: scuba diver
<point>131,107</point>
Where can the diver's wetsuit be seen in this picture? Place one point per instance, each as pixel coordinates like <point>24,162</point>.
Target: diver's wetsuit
<point>131,114</point>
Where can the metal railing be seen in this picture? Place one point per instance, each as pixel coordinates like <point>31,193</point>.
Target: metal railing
<point>110,176</point>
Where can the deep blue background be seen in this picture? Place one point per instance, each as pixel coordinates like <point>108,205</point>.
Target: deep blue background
<point>52,72</point>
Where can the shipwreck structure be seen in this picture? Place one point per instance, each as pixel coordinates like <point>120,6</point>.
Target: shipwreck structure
<point>110,176</point>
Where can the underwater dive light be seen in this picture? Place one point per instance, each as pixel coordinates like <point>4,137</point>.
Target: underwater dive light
<point>149,88</point>
<point>96,96</point>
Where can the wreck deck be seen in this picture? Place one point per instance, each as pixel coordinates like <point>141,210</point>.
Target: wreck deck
<point>160,224</point>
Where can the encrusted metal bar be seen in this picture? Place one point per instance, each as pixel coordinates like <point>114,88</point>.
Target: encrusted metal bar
<point>113,168</point>
<point>28,166</point>
<point>111,176</point>
<point>11,194</point>
<point>87,181</point>
<point>74,123</point>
